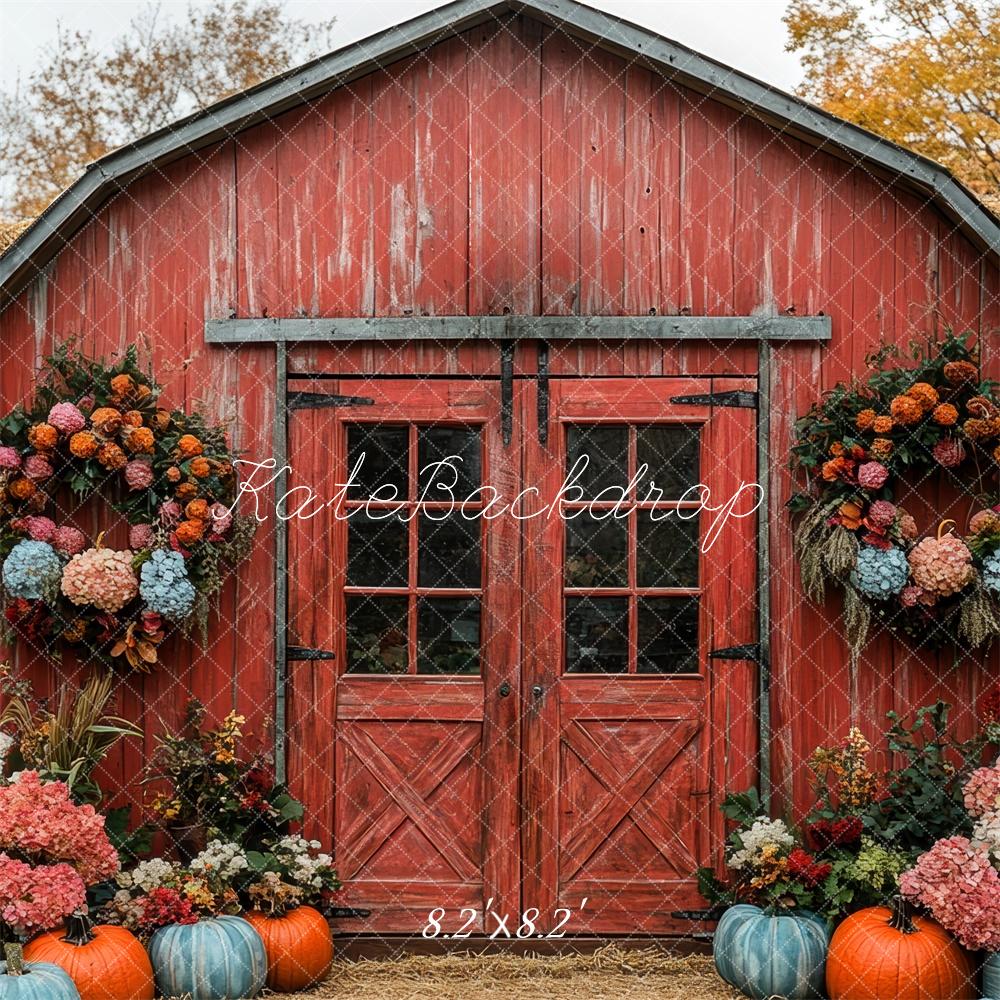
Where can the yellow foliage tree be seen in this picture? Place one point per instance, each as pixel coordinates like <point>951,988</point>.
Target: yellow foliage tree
<point>80,102</point>
<point>923,73</point>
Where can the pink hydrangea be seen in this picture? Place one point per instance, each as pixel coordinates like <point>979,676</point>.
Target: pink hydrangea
<point>961,888</point>
<point>139,474</point>
<point>37,898</point>
<point>9,458</point>
<point>69,540</point>
<point>949,452</point>
<point>170,513</point>
<point>882,513</point>
<point>67,418</point>
<point>40,822</point>
<point>908,526</point>
<point>982,791</point>
<point>101,577</point>
<point>220,517</point>
<point>38,467</point>
<point>941,566</point>
<point>140,536</point>
<point>872,475</point>
<point>41,529</point>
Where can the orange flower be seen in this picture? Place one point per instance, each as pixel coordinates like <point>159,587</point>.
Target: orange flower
<point>83,444</point>
<point>223,469</point>
<point>906,410</point>
<point>187,491</point>
<point>199,467</point>
<point>980,406</point>
<point>122,385</point>
<point>881,447</point>
<point>160,420</point>
<point>21,488</point>
<point>143,391</point>
<point>865,420</point>
<point>858,453</point>
<point>850,515</point>
<point>979,430</point>
<point>174,474</point>
<point>837,449</point>
<point>197,510</point>
<point>140,440</point>
<point>945,414</point>
<point>883,425</point>
<point>925,394</point>
<point>189,446</point>
<point>961,373</point>
<point>44,437</point>
<point>111,456</point>
<point>189,532</point>
<point>133,418</point>
<point>996,453</point>
<point>107,420</point>
<point>834,468</point>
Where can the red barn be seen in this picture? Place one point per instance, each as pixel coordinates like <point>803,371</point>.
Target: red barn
<point>518,231</point>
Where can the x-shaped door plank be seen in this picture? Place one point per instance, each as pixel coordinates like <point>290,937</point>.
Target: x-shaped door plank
<point>624,793</point>
<point>431,822</point>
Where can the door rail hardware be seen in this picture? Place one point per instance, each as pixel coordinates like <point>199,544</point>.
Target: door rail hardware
<point>320,400</point>
<point>305,653</point>
<point>741,398</point>
<point>347,913</point>
<point>701,916</point>
<point>543,392</point>
<point>507,391</point>
<point>749,651</point>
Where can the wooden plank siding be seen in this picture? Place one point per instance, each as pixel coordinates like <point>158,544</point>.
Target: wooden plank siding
<point>511,168</point>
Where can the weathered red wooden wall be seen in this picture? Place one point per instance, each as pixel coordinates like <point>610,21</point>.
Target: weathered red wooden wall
<point>512,168</point>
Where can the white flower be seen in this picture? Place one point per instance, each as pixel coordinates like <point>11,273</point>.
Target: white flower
<point>763,833</point>
<point>148,875</point>
<point>986,833</point>
<point>6,742</point>
<point>223,859</point>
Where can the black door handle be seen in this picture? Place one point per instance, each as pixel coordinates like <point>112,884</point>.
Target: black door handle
<point>537,690</point>
<point>504,689</point>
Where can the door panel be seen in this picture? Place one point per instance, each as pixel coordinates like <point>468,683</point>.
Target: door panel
<point>422,611</point>
<point>625,753</point>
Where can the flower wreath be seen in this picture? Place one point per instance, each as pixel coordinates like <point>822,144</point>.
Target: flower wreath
<point>96,430</point>
<point>860,445</point>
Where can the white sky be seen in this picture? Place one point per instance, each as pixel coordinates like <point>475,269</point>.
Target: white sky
<point>746,34</point>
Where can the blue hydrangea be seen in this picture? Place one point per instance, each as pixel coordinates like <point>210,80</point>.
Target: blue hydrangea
<point>32,571</point>
<point>881,573</point>
<point>991,572</point>
<point>164,585</point>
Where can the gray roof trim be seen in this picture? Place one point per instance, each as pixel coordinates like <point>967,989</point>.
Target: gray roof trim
<point>38,244</point>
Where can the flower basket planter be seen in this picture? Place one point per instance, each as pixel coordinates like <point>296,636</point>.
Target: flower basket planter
<point>991,977</point>
<point>34,980</point>
<point>765,955</point>
<point>299,947</point>
<point>218,959</point>
<point>188,841</point>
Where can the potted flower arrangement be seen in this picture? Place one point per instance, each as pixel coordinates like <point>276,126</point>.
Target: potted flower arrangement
<point>51,850</point>
<point>198,945</point>
<point>208,789</point>
<point>770,941</point>
<point>958,879</point>
<point>291,880</point>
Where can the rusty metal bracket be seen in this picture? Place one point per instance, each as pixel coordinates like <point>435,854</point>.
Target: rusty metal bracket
<point>507,391</point>
<point>543,391</point>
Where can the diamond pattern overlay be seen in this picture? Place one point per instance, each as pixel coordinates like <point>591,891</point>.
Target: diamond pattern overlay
<point>514,168</point>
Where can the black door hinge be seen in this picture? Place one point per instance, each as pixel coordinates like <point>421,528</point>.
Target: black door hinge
<point>305,653</point>
<point>749,651</point>
<point>543,392</point>
<point>507,391</point>
<point>742,398</point>
<point>347,912</point>
<point>319,400</point>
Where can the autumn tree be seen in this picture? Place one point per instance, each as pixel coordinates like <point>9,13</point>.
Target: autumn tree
<point>923,73</point>
<point>80,102</point>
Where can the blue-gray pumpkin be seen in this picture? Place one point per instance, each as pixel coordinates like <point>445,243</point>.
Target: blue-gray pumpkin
<point>218,959</point>
<point>991,977</point>
<point>39,981</point>
<point>766,955</point>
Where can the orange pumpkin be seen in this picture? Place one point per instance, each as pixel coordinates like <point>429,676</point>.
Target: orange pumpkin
<point>105,962</point>
<point>888,954</point>
<point>299,947</point>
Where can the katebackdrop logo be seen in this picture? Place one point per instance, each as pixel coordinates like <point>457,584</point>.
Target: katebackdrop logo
<point>438,499</point>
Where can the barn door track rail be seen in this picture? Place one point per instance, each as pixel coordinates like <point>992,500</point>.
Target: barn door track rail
<point>506,331</point>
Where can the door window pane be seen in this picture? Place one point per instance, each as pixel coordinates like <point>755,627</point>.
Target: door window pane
<point>597,635</point>
<point>376,635</point>
<point>596,551</point>
<point>606,448</point>
<point>666,550</point>
<point>376,551</point>
<point>447,636</point>
<point>671,452</point>
<point>385,450</point>
<point>668,635</point>
<point>450,551</point>
<point>464,472</point>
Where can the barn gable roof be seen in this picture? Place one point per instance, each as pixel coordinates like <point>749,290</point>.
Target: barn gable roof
<point>71,210</point>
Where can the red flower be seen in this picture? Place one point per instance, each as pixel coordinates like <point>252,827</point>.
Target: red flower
<point>804,867</point>
<point>989,704</point>
<point>162,906</point>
